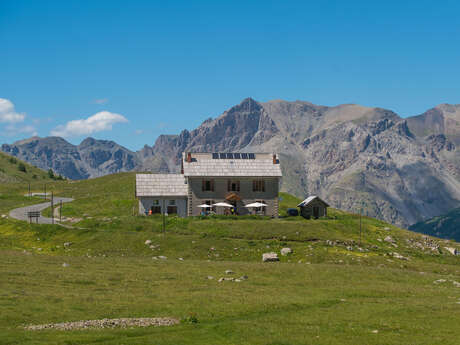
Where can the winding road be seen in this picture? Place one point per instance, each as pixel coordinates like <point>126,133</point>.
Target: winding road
<point>21,213</point>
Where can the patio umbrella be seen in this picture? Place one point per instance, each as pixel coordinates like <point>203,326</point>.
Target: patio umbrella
<point>223,204</point>
<point>255,204</point>
<point>204,206</point>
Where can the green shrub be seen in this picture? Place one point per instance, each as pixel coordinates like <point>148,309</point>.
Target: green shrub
<point>22,167</point>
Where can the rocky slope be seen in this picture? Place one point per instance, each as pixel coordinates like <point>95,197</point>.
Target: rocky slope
<point>399,170</point>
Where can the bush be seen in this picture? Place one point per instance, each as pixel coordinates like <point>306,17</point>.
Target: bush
<point>22,167</point>
<point>13,160</point>
<point>51,173</point>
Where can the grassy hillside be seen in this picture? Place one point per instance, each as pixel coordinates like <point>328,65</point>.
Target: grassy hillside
<point>444,226</point>
<point>333,289</point>
<point>13,170</point>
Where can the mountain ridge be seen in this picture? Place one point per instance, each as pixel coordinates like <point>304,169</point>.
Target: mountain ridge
<point>402,170</point>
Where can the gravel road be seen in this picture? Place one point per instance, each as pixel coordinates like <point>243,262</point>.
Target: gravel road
<point>21,213</point>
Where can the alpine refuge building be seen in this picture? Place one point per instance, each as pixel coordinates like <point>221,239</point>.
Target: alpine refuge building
<point>214,179</point>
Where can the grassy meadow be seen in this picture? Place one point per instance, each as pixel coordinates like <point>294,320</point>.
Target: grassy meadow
<point>350,291</point>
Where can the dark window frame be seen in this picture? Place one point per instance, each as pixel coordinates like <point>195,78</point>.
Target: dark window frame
<point>258,185</point>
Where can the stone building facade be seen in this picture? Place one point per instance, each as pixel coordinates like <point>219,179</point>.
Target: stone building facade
<point>237,179</point>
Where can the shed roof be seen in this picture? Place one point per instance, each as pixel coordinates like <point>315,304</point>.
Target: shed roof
<point>161,185</point>
<point>203,164</point>
<point>310,199</point>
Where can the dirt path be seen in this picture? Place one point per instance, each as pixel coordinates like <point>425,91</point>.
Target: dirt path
<point>21,212</point>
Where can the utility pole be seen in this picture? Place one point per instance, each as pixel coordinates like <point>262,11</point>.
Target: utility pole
<point>52,209</point>
<point>60,212</point>
<point>164,219</point>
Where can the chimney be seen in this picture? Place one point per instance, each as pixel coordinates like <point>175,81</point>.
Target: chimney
<point>189,157</point>
<point>275,161</point>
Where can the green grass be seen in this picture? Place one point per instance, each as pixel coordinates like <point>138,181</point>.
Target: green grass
<point>320,294</point>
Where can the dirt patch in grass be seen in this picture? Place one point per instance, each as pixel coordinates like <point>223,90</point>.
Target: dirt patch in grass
<point>106,323</point>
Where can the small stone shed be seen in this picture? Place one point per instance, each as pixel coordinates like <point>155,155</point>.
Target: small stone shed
<point>162,193</point>
<point>314,207</point>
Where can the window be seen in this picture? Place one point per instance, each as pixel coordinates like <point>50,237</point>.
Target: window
<point>258,186</point>
<point>207,186</point>
<point>210,203</point>
<point>156,202</point>
<point>172,203</point>
<point>172,209</point>
<point>233,186</point>
<point>155,209</point>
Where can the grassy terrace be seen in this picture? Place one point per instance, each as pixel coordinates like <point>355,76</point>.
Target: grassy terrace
<point>321,294</point>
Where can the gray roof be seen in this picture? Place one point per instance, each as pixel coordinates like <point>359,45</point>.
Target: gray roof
<point>161,185</point>
<point>310,199</point>
<point>204,165</point>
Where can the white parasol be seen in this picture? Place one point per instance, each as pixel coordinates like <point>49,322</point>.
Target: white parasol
<point>255,204</point>
<point>222,204</point>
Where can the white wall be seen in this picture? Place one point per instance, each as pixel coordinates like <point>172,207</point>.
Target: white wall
<point>146,202</point>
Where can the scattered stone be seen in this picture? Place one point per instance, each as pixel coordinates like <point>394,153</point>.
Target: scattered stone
<point>389,239</point>
<point>162,257</point>
<point>210,277</point>
<point>39,249</point>
<point>268,257</point>
<point>65,264</point>
<point>386,228</point>
<point>181,259</point>
<point>245,277</point>
<point>439,281</point>
<point>106,323</point>
<point>398,256</point>
<point>379,239</point>
<point>148,242</point>
<point>222,279</point>
<point>457,284</point>
<point>3,215</point>
<point>67,244</point>
<point>229,272</point>
<point>286,251</point>
<point>154,258</point>
<point>237,280</point>
<point>350,248</point>
<point>375,331</point>
<point>452,250</point>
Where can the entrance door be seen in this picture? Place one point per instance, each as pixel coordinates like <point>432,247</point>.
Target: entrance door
<point>315,211</point>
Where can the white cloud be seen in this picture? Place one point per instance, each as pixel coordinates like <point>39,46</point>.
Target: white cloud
<point>12,130</point>
<point>8,114</point>
<point>98,122</point>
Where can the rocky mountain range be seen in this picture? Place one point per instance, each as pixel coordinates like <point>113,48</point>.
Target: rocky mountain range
<point>402,170</point>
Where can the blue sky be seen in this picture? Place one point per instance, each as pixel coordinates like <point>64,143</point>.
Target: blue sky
<point>132,70</point>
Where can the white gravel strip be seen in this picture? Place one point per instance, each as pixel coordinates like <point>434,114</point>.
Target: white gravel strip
<point>106,323</point>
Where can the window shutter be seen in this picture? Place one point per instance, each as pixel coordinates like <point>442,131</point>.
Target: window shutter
<point>263,185</point>
<point>237,186</point>
<point>229,185</point>
<point>212,185</point>
<point>203,185</point>
<point>253,185</point>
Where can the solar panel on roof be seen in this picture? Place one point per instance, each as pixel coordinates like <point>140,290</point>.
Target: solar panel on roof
<point>244,156</point>
<point>215,156</point>
<point>229,155</point>
<point>222,155</point>
<point>237,156</point>
<point>252,156</point>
